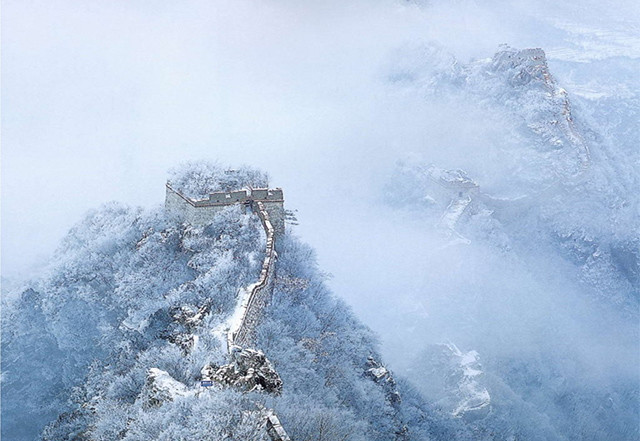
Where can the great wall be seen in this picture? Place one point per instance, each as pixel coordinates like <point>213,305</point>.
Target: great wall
<point>268,204</point>
<point>259,293</point>
<point>202,211</point>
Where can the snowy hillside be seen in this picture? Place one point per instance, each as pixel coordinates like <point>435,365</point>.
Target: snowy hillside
<point>541,242</point>
<point>553,169</point>
<point>113,341</point>
<point>449,249</point>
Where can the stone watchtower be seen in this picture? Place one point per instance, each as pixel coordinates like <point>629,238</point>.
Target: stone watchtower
<point>202,211</point>
<point>273,202</point>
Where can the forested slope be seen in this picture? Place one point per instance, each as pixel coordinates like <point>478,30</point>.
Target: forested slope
<point>109,344</point>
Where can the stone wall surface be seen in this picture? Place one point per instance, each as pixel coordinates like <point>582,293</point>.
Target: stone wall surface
<point>175,203</point>
<point>275,429</point>
<point>261,292</point>
<point>276,215</point>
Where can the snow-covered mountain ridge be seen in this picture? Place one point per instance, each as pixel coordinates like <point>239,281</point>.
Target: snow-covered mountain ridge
<point>585,198</point>
<point>535,276</point>
<point>116,337</point>
<point>546,241</point>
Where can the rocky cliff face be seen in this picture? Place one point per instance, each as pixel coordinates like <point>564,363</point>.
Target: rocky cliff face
<point>249,370</point>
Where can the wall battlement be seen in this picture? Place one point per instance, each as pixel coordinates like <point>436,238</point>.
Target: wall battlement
<point>202,211</point>
<point>224,198</point>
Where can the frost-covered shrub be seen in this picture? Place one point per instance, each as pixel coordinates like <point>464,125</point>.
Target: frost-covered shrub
<point>198,179</point>
<point>110,343</point>
<point>320,350</point>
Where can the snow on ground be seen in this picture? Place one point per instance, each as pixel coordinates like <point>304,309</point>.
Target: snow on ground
<point>167,386</point>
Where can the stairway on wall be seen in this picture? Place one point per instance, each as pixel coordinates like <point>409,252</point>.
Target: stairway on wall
<point>240,326</point>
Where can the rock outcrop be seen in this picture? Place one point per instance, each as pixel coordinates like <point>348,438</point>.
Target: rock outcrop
<point>249,370</point>
<point>161,387</point>
<point>382,376</point>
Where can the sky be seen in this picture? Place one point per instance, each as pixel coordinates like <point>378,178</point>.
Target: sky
<point>100,99</point>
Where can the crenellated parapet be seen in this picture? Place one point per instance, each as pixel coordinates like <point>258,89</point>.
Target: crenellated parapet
<point>202,211</point>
